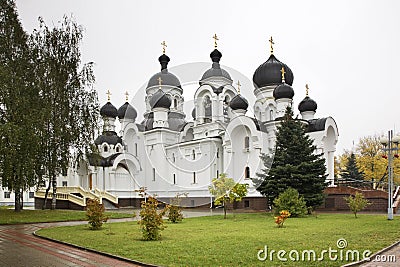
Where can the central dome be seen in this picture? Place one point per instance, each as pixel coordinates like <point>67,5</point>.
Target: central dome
<point>216,70</point>
<point>269,73</point>
<point>167,78</point>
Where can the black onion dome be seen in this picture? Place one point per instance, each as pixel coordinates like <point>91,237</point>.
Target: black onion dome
<point>167,78</point>
<point>283,91</point>
<point>216,68</point>
<point>108,110</point>
<point>127,111</point>
<point>194,113</point>
<point>109,137</point>
<point>160,100</point>
<point>215,55</point>
<point>239,102</point>
<point>269,73</point>
<point>307,104</point>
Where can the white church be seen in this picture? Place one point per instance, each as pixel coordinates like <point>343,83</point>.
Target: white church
<point>171,152</point>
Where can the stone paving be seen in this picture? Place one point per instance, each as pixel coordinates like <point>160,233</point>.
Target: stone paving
<point>389,258</point>
<point>19,248</point>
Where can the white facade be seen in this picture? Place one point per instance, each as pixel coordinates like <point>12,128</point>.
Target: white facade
<point>168,153</point>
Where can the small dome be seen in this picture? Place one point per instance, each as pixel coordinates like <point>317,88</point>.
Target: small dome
<point>167,78</point>
<point>283,91</point>
<point>307,104</point>
<point>194,113</point>
<point>215,70</point>
<point>239,102</point>
<point>160,100</point>
<point>269,73</point>
<point>108,110</point>
<point>127,111</point>
<point>109,137</point>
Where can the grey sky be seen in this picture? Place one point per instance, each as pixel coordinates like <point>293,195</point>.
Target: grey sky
<point>348,51</point>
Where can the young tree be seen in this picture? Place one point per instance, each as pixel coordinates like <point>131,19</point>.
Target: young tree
<point>69,101</point>
<point>357,203</point>
<point>19,102</point>
<point>290,200</point>
<point>226,190</point>
<point>151,220</point>
<point>352,175</point>
<point>294,164</point>
<point>95,213</point>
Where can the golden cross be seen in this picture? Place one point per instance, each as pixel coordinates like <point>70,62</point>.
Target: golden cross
<point>271,43</point>
<point>238,85</point>
<point>159,82</point>
<point>126,96</point>
<point>108,95</point>
<point>164,45</point>
<point>307,89</point>
<point>283,74</point>
<point>215,37</point>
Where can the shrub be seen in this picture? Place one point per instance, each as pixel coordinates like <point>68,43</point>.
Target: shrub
<point>357,203</point>
<point>291,201</point>
<point>174,210</point>
<point>151,220</point>
<point>283,215</point>
<point>95,214</point>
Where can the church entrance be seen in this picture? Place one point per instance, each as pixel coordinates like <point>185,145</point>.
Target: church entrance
<point>90,181</point>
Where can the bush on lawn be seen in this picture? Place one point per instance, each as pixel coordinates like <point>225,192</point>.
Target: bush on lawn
<point>151,220</point>
<point>291,201</point>
<point>95,214</point>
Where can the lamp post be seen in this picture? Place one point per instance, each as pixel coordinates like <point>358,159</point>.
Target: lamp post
<point>390,144</point>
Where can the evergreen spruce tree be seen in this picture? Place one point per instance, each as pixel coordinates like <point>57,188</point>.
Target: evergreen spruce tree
<point>352,174</point>
<point>294,165</point>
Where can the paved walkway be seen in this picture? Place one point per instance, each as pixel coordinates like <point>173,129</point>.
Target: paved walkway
<point>18,247</point>
<point>389,258</point>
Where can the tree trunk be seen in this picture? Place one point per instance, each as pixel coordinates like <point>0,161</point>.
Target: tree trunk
<point>22,200</point>
<point>224,203</point>
<point>46,195</point>
<point>17,201</point>
<point>54,199</point>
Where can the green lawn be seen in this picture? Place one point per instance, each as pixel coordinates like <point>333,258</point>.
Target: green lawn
<point>9,216</point>
<point>213,241</point>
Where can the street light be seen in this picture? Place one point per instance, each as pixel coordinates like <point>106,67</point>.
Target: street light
<point>390,144</point>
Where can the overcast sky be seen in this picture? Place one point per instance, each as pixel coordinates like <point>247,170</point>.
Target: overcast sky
<point>347,51</point>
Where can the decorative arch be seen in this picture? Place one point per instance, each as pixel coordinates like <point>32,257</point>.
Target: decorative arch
<point>128,161</point>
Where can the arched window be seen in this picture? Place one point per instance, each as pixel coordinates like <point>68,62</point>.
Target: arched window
<point>194,177</point>
<point>105,148</point>
<point>136,150</point>
<point>207,109</point>
<point>175,103</point>
<point>173,157</point>
<point>174,176</point>
<point>226,105</point>
<point>247,142</point>
<point>117,149</point>
<point>271,115</point>
<point>247,172</point>
<point>193,154</point>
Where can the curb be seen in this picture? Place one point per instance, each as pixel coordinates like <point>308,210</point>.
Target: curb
<point>358,263</point>
<point>96,251</point>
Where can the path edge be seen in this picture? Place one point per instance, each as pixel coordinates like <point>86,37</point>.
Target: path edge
<point>358,263</point>
<point>95,251</point>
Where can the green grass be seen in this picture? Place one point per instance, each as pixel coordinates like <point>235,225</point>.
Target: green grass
<point>213,241</point>
<point>9,216</point>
